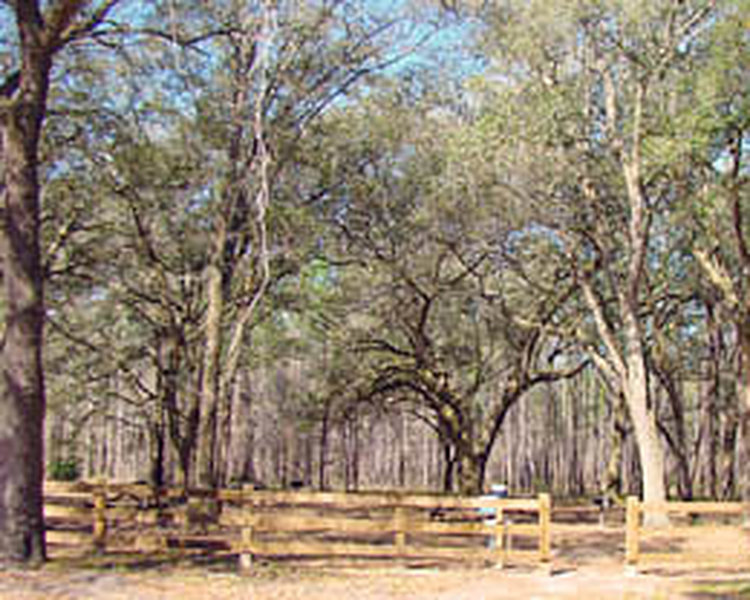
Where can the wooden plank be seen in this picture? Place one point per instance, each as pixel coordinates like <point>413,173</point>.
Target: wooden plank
<point>230,495</point>
<point>563,511</point>
<point>372,500</point>
<point>529,529</point>
<point>81,498</point>
<point>337,499</point>
<point>69,538</point>
<point>71,513</point>
<point>297,523</point>
<point>310,548</point>
<point>675,531</point>
<point>66,487</point>
<point>120,514</point>
<point>299,548</point>
<point>450,527</point>
<point>719,508</point>
<point>58,487</point>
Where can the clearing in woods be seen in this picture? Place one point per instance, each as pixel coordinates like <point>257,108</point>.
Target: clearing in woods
<point>586,565</point>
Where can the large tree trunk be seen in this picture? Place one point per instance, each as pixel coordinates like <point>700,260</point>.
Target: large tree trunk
<point>650,450</point>
<point>22,401</point>
<point>471,472</point>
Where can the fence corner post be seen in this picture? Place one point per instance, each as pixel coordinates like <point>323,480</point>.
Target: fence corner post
<point>545,532</point>
<point>632,531</point>
<point>246,544</point>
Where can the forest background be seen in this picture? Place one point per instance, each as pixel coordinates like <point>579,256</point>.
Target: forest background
<point>362,245</point>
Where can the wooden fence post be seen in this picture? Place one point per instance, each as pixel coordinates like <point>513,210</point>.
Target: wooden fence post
<point>100,519</point>
<point>632,526</point>
<point>500,548</point>
<point>246,544</point>
<point>140,527</point>
<point>399,527</point>
<point>545,534</point>
<point>508,529</point>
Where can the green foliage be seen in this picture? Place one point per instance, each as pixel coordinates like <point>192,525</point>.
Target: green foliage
<point>64,469</point>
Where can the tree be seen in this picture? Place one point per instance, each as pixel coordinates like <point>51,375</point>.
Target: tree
<point>206,192</point>
<point>717,211</point>
<point>41,34</point>
<point>451,327</point>
<point>587,98</point>
<point>282,67</point>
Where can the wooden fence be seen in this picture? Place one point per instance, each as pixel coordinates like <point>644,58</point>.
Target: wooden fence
<point>389,526</point>
<point>254,523</point>
<point>703,533</point>
<point>87,515</point>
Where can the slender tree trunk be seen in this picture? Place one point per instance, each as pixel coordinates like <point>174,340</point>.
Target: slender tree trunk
<point>711,402</point>
<point>677,435</point>
<point>612,487</point>
<point>243,439</point>
<point>323,449</point>
<point>207,429</point>
<point>728,448</point>
<point>157,454</point>
<point>743,393</point>
<point>449,465</point>
<point>401,436</point>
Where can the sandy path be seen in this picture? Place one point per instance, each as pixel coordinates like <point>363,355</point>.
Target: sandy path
<point>381,583</point>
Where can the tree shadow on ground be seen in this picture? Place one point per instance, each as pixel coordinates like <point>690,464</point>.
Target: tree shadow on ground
<point>715,590</point>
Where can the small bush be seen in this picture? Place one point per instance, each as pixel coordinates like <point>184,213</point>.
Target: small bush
<point>65,469</point>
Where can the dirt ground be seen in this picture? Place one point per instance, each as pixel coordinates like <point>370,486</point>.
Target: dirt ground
<point>188,583</point>
<point>585,565</point>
